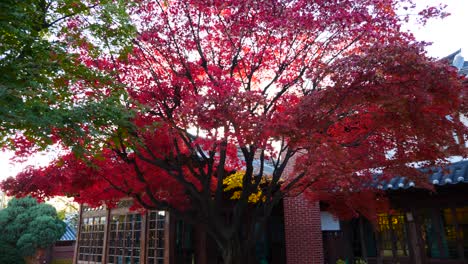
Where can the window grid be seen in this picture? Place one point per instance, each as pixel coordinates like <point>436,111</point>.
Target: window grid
<point>156,220</point>
<point>92,239</point>
<point>392,234</point>
<point>124,239</point>
<point>456,218</point>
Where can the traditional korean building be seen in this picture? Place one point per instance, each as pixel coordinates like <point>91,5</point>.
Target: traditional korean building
<point>121,236</point>
<point>425,227</point>
<point>457,61</point>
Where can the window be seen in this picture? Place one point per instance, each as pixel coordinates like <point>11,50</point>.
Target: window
<point>434,238</point>
<point>124,239</point>
<point>124,242</point>
<point>92,239</point>
<point>462,219</point>
<point>156,220</point>
<point>456,230</point>
<point>444,232</point>
<point>392,235</point>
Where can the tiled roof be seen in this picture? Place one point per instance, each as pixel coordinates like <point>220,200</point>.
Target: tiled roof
<point>464,70</point>
<point>456,59</point>
<point>450,57</point>
<point>453,174</point>
<point>70,234</point>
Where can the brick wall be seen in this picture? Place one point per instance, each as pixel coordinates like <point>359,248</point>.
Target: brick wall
<point>303,231</point>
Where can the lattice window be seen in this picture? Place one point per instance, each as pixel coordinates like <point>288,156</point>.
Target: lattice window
<point>125,239</point>
<point>456,231</point>
<point>156,222</point>
<point>91,240</point>
<point>462,219</point>
<point>392,235</point>
<point>450,233</point>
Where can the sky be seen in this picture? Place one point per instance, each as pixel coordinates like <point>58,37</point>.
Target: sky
<point>447,36</point>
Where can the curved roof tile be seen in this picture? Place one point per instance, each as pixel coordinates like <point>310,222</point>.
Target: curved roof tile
<point>452,174</point>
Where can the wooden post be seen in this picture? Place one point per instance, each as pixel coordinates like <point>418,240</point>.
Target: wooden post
<point>345,237</point>
<point>105,247</point>
<point>437,225</point>
<point>415,248</point>
<point>78,233</point>
<point>419,220</point>
<point>394,238</point>
<point>378,246</point>
<point>362,239</point>
<point>143,237</point>
<point>169,239</point>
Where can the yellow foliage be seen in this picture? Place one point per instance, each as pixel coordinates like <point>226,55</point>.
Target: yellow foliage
<point>234,181</point>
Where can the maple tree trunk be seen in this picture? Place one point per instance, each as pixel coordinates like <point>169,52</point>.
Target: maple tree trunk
<point>242,245</point>
<point>233,252</point>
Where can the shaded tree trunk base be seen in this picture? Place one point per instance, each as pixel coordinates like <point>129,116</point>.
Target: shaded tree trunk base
<point>234,253</point>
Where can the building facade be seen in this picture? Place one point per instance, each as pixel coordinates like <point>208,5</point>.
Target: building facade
<point>423,227</point>
<point>120,236</point>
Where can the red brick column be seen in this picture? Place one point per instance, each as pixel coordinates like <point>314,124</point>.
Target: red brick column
<point>303,231</point>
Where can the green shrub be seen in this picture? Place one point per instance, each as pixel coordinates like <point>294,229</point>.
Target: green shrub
<point>25,226</point>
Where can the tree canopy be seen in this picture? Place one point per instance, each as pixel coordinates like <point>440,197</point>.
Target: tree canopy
<point>298,96</point>
<point>38,63</point>
<point>25,227</point>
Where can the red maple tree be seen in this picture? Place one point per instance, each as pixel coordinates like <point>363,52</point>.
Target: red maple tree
<point>311,96</point>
